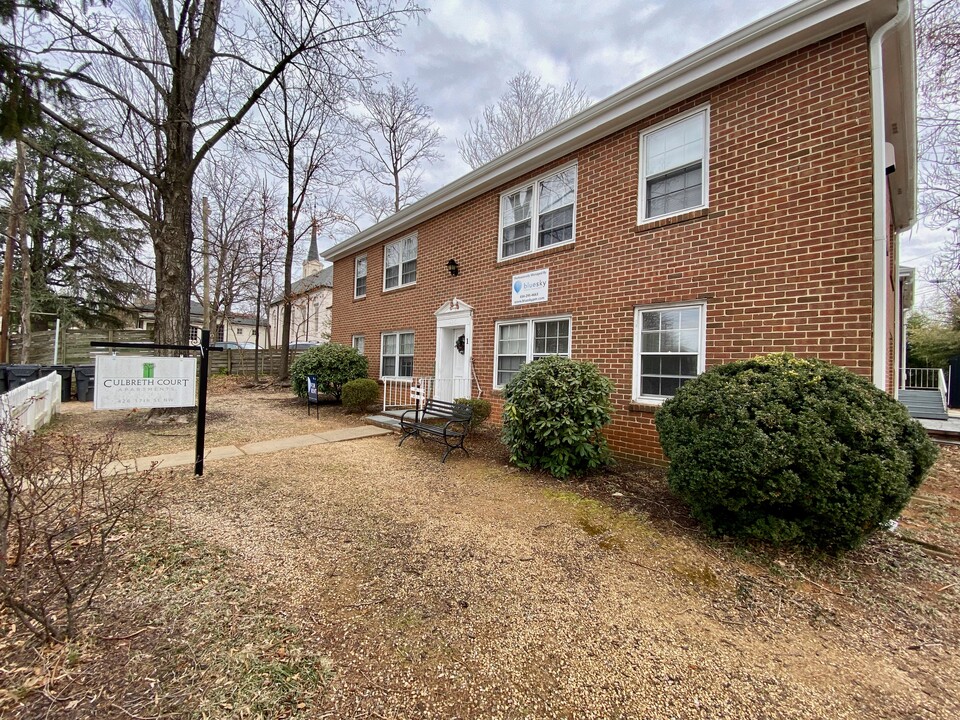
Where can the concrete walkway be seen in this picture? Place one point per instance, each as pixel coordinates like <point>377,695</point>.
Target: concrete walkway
<point>188,457</point>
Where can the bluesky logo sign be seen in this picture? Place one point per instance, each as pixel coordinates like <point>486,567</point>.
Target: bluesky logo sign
<point>531,287</point>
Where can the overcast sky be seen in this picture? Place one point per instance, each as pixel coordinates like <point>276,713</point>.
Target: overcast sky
<point>462,52</point>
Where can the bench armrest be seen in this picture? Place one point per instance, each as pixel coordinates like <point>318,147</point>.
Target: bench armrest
<point>464,425</point>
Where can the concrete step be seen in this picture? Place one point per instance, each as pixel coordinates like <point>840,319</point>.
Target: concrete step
<point>385,421</point>
<point>926,404</point>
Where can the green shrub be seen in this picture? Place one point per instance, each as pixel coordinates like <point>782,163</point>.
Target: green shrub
<point>358,394</point>
<point>480,407</point>
<point>791,451</point>
<point>553,414</point>
<point>333,364</point>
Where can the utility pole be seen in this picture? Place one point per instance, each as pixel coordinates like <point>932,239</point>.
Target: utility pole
<point>206,265</point>
<point>13,231</point>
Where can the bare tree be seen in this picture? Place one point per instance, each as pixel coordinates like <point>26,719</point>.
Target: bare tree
<point>191,115</point>
<point>301,132</point>
<point>526,109</point>
<point>398,137</point>
<point>232,246</point>
<point>938,49</point>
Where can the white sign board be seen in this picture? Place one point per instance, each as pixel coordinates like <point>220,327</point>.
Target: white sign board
<point>417,393</point>
<point>122,383</point>
<point>531,287</point>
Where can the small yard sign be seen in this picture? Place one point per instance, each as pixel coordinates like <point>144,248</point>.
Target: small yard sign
<point>531,287</point>
<point>144,382</point>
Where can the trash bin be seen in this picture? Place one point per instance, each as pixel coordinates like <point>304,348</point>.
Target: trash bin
<point>18,375</point>
<point>66,373</point>
<point>84,382</point>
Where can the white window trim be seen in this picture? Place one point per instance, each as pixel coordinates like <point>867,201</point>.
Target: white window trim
<point>353,343</point>
<point>529,322</point>
<point>400,271</point>
<point>705,169</point>
<point>356,264</point>
<point>636,395</point>
<point>398,333</point>
<point>535,213</point>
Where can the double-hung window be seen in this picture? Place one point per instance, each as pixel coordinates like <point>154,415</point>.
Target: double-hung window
<point>360,277</point>
<point>521,341</point>
<point>400,263</point>
<point>396,354</point>
<point>670,349</point>
<point>540,214</point>
<point>357,342</point>
<point>673,166</point>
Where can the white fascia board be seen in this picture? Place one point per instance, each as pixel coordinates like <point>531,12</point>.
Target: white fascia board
<point>789,29</point>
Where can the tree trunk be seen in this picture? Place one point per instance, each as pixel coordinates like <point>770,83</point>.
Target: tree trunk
<point>26,295</point>
<point>288,267</point>
<point>13,232</point>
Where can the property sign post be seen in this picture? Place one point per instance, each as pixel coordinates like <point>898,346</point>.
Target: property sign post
<point>138,383</point>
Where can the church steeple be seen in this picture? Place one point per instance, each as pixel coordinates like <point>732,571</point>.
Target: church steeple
<point>312,264</point>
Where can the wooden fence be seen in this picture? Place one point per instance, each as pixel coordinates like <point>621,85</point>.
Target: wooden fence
<point>74,345</point>
<point>75,350</point>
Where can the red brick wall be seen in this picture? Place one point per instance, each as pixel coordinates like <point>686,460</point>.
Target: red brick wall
<point>782,255</point>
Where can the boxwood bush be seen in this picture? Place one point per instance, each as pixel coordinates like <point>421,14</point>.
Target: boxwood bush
<point>480,407</point>
<point>333,364</point>
<point>358,394</point>
<point>791,451</point>
<point>553,415</point>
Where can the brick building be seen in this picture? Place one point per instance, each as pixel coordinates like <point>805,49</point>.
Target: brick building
<point>746,199</point>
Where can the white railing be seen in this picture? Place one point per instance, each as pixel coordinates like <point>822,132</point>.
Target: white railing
<point>927,379</point>
<point>922,378</point>
<point>32,405</point>
<point>396,391</point>
<point>449,389</point>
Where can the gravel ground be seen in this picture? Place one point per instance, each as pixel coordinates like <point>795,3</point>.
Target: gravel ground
<point>472,590</point>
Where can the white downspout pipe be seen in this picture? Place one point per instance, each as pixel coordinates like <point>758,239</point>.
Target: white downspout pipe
<point>881,267</point>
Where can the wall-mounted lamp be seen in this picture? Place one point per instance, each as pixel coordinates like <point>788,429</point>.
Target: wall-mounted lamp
<point>453,267</point>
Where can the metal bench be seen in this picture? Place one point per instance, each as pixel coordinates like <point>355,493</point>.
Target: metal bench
<point>443,422</point>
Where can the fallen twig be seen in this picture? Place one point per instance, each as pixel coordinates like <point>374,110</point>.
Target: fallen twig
<point>127,637</point>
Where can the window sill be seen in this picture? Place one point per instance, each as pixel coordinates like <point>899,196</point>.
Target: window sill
<point>399,288</point>
<point>690,216</point>
<point>647,405</point>
<point>538,253</point>
<point>360,297</point>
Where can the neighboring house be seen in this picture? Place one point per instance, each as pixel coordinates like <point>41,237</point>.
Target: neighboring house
<point>746,199</point>
<point>236,327</point>
<point>310,303</point>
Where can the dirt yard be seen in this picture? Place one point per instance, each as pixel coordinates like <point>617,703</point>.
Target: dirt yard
<point>362,580</point>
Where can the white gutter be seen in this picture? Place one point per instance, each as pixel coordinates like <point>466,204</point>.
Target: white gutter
<point>881,263</point>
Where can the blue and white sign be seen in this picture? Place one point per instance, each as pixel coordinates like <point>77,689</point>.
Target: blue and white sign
<point>531,287</point>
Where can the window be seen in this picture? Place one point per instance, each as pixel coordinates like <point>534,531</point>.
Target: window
<point>400,263</point>
<point>396,354</point>
<point>544,209</point>
<point>670,349</point>
<point>358,343</point>
<point>194,334</point>
<point>673,166</point>
<point>526,340</point>
<point>360,277</point>
<point>220,333</point>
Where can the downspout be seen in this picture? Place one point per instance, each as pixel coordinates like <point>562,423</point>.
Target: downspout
<point>880,221</point>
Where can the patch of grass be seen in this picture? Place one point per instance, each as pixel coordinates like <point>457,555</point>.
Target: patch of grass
<point>609,527</point>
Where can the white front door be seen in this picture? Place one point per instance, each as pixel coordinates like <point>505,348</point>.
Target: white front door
<point>454,330</point>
